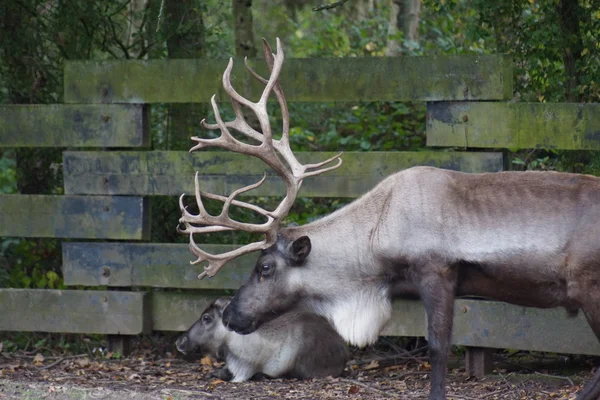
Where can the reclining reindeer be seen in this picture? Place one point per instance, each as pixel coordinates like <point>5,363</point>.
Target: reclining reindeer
<point>527,238</point>
<point>293,345</point>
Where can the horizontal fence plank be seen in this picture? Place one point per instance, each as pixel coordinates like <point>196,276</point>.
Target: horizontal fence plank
<point>173,311</point>
<point>566,126</point>
<point>436,78</point>
<point>172,173</point>
<point>63,125</point>
<point>477,323</point>
<point>74,311</point>
<point>148,264</point>
<point>506,326</point>
<point>85,217</point>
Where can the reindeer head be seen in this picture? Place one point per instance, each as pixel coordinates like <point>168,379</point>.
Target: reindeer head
<point>277,154</point>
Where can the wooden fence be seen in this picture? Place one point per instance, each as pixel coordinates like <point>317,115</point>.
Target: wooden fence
<point>106,189</point>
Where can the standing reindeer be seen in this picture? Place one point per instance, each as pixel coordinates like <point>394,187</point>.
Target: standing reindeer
<point>527,238</point>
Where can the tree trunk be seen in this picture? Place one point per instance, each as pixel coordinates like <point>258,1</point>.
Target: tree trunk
<point>37,169</point>
<point>184,28</point>
<point>404,17</point>
<point>569,14</point>
<point>135,40</point>
<point>244,47</point>
<point>243,28</point>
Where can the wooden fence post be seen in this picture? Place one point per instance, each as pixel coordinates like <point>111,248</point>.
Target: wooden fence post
<point>478,361</point>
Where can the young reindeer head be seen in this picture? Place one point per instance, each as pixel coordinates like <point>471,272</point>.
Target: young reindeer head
<point>267,293</point>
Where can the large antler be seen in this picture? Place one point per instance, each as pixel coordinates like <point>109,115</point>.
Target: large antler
<point>270,150</point>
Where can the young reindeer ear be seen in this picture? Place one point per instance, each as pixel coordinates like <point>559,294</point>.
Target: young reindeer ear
<point>298,250</point>
<point>222,302</point>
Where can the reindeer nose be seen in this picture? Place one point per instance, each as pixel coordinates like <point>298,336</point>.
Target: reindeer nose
<point>238,323</point>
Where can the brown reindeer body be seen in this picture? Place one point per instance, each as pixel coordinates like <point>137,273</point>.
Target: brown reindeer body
<point>528,238</point>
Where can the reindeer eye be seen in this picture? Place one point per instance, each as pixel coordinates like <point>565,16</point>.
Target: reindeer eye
<point>206,318</point>
<point>266,269</point>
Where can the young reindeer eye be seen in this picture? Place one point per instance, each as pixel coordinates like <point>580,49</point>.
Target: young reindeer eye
<point>206,319</point>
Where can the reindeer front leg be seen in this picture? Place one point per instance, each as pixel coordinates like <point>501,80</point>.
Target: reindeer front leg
<point>437,284</point>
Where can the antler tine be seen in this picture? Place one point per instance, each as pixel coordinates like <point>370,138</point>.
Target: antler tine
<point>216,261</point>
<point>222,220</point>
<point>285,115</point>
<point>231,198</point>
<point>320,164</point>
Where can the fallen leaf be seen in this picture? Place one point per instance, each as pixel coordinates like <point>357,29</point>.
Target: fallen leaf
<point>372,365</point>
<point>38,359</point>
<point>206,361</point>
<point>83,362</point>
<point>425,367</point>
<point>133,376</point>
<point>216,382</point>
<point>109,354</point>
<point>353,389</point>
<point>393,368</point>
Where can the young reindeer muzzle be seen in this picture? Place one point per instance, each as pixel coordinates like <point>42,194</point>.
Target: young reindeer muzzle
<point>276,153</point>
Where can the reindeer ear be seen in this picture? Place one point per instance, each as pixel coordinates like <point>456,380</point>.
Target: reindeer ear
<point>222,302</point>
<point>299,250</point>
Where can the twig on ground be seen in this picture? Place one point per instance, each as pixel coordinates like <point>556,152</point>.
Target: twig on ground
<point>61,359</point>
<point>33,356</point>
<point>386,360</point>
<point>461,397</point>
<point>412,373</point>
<point>405,355</point>
<point>189,392</point>
<point>368,387</point>
<point>330,6</point>
<point>496,392</point>
<point>566,378</point>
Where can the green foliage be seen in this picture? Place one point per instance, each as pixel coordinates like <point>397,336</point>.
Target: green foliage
<point>372,126</point>
<point>47,343</point>
<point>30,264</point>
<point>8,178</point>
<point>329,34</point>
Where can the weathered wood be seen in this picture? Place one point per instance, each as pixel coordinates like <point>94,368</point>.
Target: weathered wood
<point>173,311</point>
<point>74,311</point>
<point>119,344</point>
<point>408,319</point>
<point>86,217</point>
<point>61,125</point>
<point>478,361</point>
<point>148,265</point>
<point>505,326</point>
<point>436,78</point>
<point>567,126</point>
<point>172,173</point>
<point>484,324</point>
<point>178,311</point>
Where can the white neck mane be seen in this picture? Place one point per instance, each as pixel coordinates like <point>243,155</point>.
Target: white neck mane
<point>359,316</point>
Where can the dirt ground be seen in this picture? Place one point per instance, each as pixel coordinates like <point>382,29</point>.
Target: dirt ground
<point>370,375</point>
